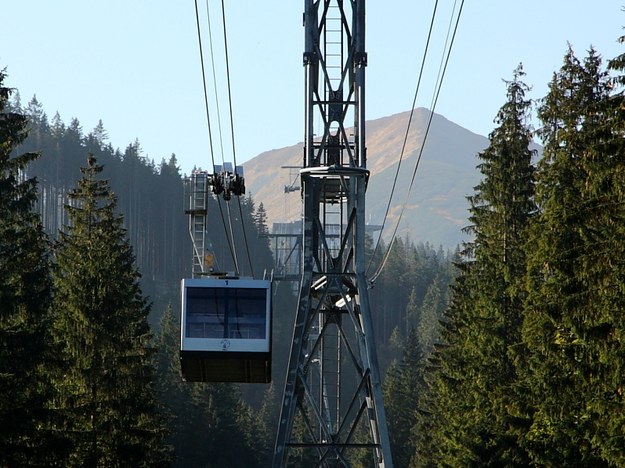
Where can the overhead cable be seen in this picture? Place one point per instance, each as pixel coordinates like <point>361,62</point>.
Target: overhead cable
<point>216,94</point>
<point>438,86</point>
<point>403,147</point>
<point>210,135</point>
<point>234,154</point>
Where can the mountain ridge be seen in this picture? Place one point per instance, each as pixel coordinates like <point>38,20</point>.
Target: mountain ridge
<point>436,210</point>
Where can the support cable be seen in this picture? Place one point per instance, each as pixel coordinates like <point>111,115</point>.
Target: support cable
<point>234,156</point>
<point>210,41</point>
<point>221,139</point>
<point>230,231</point>
<point>223,18</point>
<point>206,107</point>
<point>403,147</point>
<point>210,135</point>
<point>441,75</point>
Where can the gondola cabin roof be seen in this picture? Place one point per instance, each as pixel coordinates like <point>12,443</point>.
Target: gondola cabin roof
<point>226,330</point>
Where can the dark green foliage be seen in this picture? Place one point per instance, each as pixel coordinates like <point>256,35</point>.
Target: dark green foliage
<point>24,300</point>
<point>445,409</point>
<point>530,369</point>
<point>266,424</point>
<point>470,414</point>
<point>105,376</point>
<point>574,319</point>
<point>221,430</point>
<point>172,390</point>
<point>253,235</point>
<point>411,292</point>
<point>434,303</point>
<point>402,386</point>
<point>150,196</point>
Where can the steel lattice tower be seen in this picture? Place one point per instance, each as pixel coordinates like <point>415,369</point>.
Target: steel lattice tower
<point>332,410</point>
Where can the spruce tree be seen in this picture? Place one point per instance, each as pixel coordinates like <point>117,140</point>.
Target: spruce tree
<point>472,410</point>
<point>24,301</point>
<point>265,424</point>
<point>221,427</point>
<point>401,388</point>
<point>173,393</point>
<point>574,319</point>
<point>609,410</point>
<point>105,377</point>
<point>434,303</point>
<point>260,220</point>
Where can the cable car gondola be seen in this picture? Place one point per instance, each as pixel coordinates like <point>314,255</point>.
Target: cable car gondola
<point>225,331</point>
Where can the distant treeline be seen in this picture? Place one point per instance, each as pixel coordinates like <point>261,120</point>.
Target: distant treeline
<point>151,200</point>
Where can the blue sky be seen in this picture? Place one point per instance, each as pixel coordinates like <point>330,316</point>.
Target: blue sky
<point>135,64</point>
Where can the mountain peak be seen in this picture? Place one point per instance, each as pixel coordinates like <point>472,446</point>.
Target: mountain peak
<point>436,209</point>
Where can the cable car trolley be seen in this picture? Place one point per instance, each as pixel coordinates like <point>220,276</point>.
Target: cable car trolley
<point>225,332</point>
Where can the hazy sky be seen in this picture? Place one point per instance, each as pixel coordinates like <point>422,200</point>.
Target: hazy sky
<point>135,64</point>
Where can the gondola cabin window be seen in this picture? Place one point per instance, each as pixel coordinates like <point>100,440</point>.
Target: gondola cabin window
<point>226,313</point>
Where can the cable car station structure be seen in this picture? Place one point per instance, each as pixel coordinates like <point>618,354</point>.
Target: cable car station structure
<point>332,409</point>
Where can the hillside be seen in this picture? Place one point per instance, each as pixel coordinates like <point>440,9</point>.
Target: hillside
<point>436,211</point>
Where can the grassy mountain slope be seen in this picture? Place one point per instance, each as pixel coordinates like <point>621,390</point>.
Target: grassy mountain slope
<point>436,209</point>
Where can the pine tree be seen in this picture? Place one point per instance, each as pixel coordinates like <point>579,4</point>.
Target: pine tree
<point>574,318</point>
<point>402,385</point>
<point>210,424</point>
<point>222,426</point>
<point>444,408</point>
<point>472,393</point>
<point>266,424</point>
<point>173,393</point>
<point>24,301</point>
<point>429,314</point>
<point>36,115</point>
<point>99,134</point>
<point>260,220</point>
<point>14,104</point>
<point>104,383</point>
<point>609,221</point>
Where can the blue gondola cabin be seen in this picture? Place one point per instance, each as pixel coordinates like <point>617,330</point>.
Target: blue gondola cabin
<point>226,330</point>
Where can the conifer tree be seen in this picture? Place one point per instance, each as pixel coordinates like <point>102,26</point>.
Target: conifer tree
<point>401,388</point>
<point>174,394</point>
<point>429,315</point>
<point>24,301</point>
<point>476,415</point>
<point>443,407</point>
<point>260,220</point>
<point>266,424</point>
<point>574,318</point>
<point>105,378</point>
<point>222,426</point>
